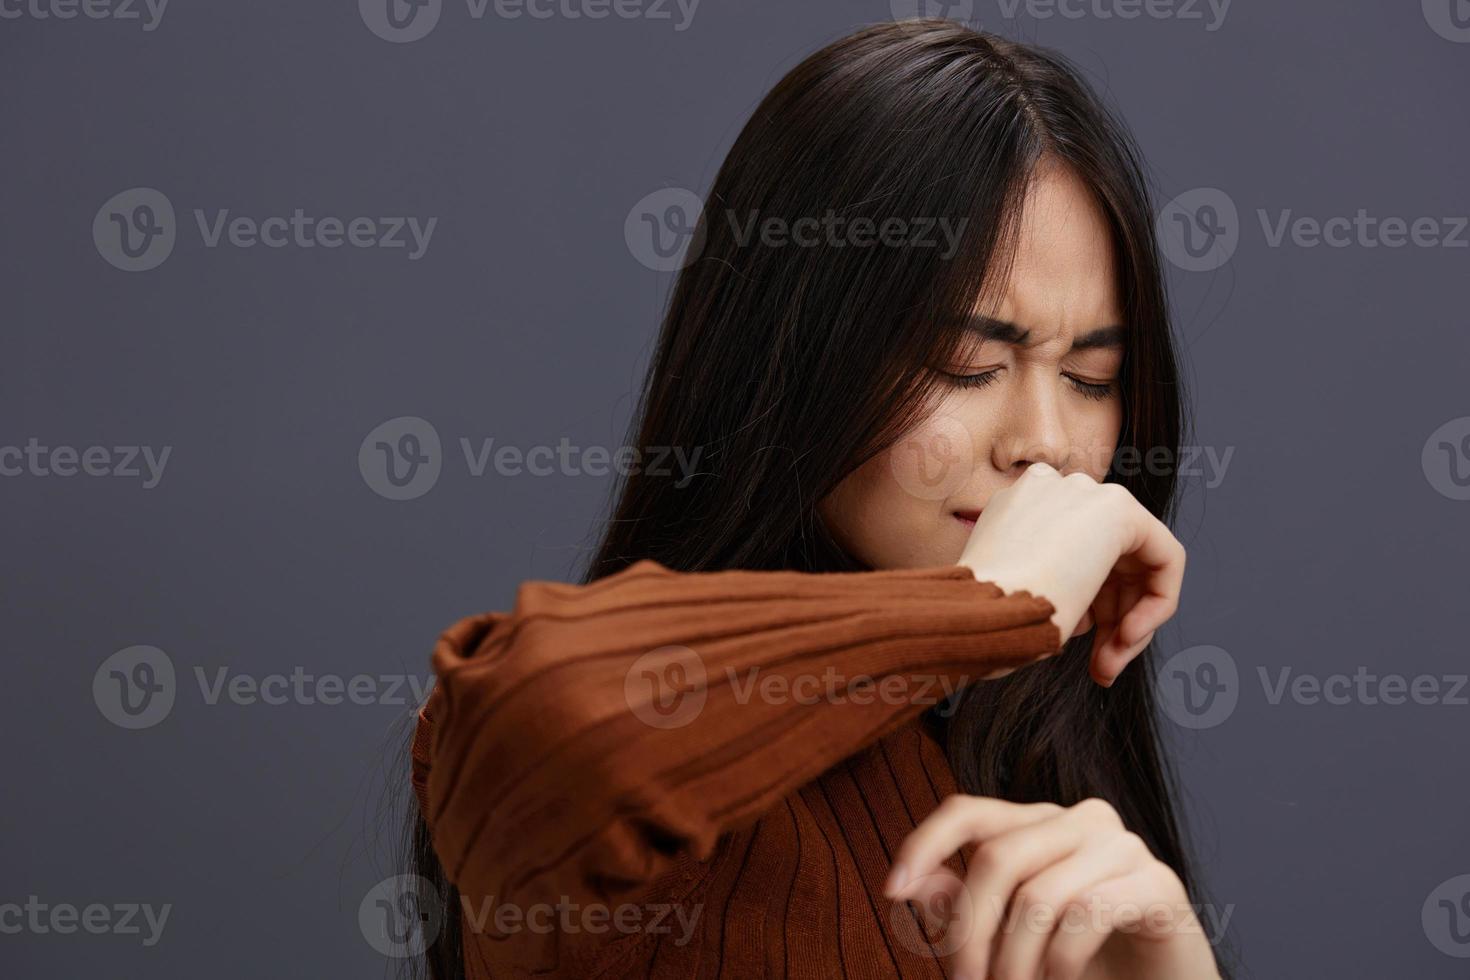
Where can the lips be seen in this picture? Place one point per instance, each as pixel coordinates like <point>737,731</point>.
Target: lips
<point>968,517</point>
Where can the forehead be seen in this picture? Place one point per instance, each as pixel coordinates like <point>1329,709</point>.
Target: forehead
<point>1063,273</point>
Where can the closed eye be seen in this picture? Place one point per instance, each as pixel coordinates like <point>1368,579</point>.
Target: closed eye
<point>1091,389</point>
<point>1096,390</point>
<point>981,380</point>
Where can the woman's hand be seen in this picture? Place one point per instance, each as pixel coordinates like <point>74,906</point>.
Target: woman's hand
<point>1089,548</point>
<point>1053,893</point>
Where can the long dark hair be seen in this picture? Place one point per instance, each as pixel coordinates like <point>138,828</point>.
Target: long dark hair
<point>790,366</point>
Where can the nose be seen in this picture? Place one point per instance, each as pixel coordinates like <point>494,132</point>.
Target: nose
<point>1031,430</point>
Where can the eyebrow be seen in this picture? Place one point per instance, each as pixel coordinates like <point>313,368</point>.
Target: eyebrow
<point>989,328</point>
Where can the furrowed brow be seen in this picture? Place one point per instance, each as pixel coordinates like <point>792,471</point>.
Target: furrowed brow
<point>985,328</point>
<point>988,328</point>
<point>1103,337</point>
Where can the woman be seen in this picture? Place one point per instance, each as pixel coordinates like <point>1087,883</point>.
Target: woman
<point>804,719</point>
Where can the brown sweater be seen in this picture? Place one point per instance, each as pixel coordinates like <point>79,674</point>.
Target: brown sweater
<point>681,775</point>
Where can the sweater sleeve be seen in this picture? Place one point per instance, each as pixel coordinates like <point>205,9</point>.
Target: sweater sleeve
<point>580,745</point>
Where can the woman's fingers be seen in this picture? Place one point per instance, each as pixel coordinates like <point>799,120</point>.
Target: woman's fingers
<point>1002,867</point>
<point>1052,904</point>
<point>1045,889</point>
<point>1144,593</point>
<point>1147,615</point>
<point>999,869</point>
<point>1158,562</point>
<point>1071,949</point>
<point>1108,605</point>
<point>959,820</point>
<point>1148,900</point>
<point>1103,561</point>
<point>1131,637</point>
<point>931,913</point>
<point>1153,545</point>
<point>1076,942</point>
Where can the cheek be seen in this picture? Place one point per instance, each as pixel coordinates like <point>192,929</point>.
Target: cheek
<point>1094,437</point>
<point>857,509</point>
<point>878,520</point>
<point>934,460</point>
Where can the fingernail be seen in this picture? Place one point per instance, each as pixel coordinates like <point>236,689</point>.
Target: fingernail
<point>897,878</point>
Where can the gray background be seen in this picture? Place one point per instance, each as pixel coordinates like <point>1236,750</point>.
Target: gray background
<point>1325,548</point>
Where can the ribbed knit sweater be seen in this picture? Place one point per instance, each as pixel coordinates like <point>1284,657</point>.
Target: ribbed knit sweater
<point>702,775</point>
